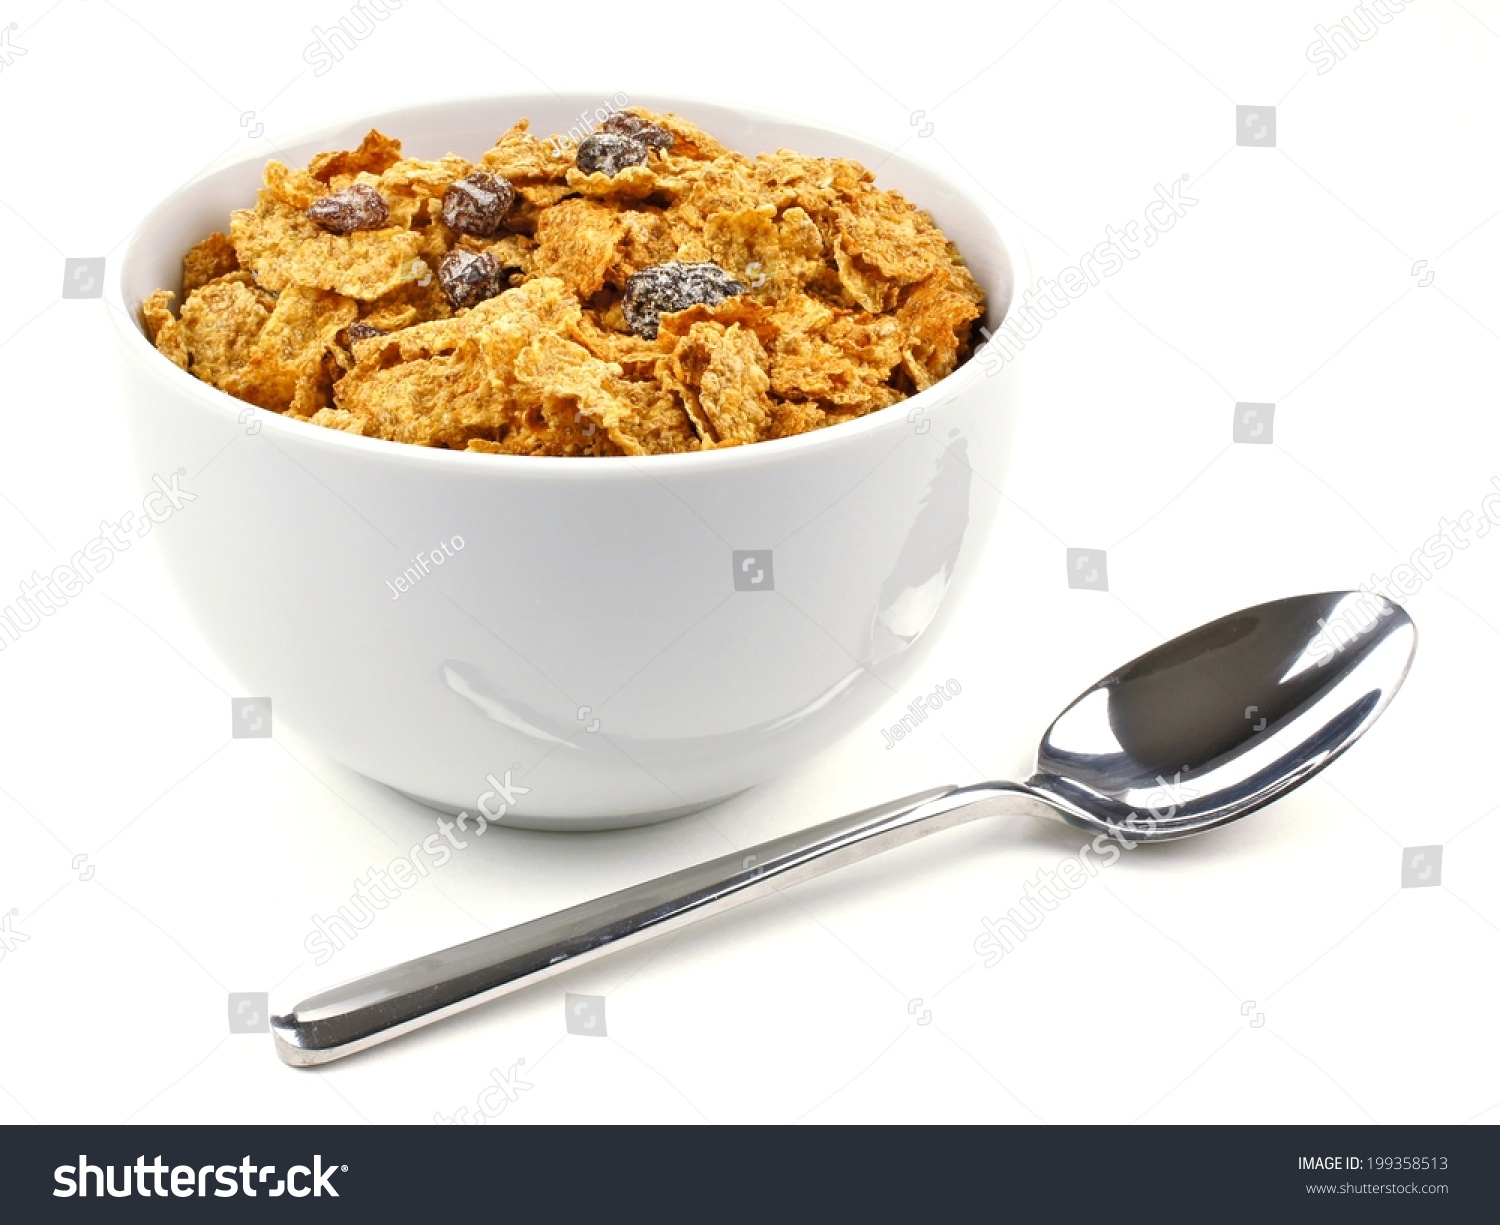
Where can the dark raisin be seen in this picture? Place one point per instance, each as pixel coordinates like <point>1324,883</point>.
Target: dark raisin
<point>477,203</point>
<point>625,124</point>
<point>673,286</point>
<point>359,207</point>
<point>610,153</point>
<point>469,277</point>
<point>363,331</point>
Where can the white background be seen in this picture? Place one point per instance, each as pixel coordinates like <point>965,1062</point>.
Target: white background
<point>859,997</point>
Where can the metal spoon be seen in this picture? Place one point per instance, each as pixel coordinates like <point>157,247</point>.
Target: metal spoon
<point>1197,733</point>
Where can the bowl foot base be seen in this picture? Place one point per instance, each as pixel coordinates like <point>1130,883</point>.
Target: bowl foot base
<point>581,823</point>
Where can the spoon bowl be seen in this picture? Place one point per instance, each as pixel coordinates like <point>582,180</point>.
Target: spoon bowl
<point>1209,727</point>
<point>1194,734</point>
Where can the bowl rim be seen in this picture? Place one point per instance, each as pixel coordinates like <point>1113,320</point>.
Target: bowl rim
<point>125,316</point>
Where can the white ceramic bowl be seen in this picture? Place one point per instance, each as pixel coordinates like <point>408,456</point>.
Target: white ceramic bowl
<point>587,645</point>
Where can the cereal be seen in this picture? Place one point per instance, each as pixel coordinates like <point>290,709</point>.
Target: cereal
<point>648,292</point>
<point>673,286</point>
<point>606,153</point>
<point>773,255</point>
<point>220,323</point>
<point>266,238</point>
<point>578,240</point>
<point>629,183</point>
<point>470,277</point>
<point>588,408</point>
<point>688,140</point>
<point>295,188</point>
<point>649,134</point>
<point>358,207</point>
<point>365,264</point>
<point>339,419</point>
<point>162,328</point>
<point>525,160</point>
<point>208,261</point>
<point>936,318</point>
<point>477,203</point>
<point>376,153</point>
<point>721,375</point>
<point>287,357</point>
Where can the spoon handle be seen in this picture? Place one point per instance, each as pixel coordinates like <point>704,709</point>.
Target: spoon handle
<point>394,1001</point>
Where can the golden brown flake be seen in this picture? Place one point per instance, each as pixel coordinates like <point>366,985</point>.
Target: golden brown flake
<point>527,160</point>
<point>366,264</point>
<point>589,409</point>
<point>208,261</point>
<point>266,239</point>
<point>851,300</point>
<point>220,323</point>
<point>286,364</point>
<point>295,188</point>
<point>689,141</point>
<point>376,153</point>
<point>336,419</point>
<point>578,241</point>
<point>632,183</point>
<point>937,317</point>
<point>162,329</point>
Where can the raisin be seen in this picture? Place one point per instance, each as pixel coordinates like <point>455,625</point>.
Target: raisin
<point>625,124</point>
<point>363,331</point>
<point>358,207</point>
<point>610,153</point>
<point>469,277</point>
<point>673,286</point>
<point>477,203</point>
